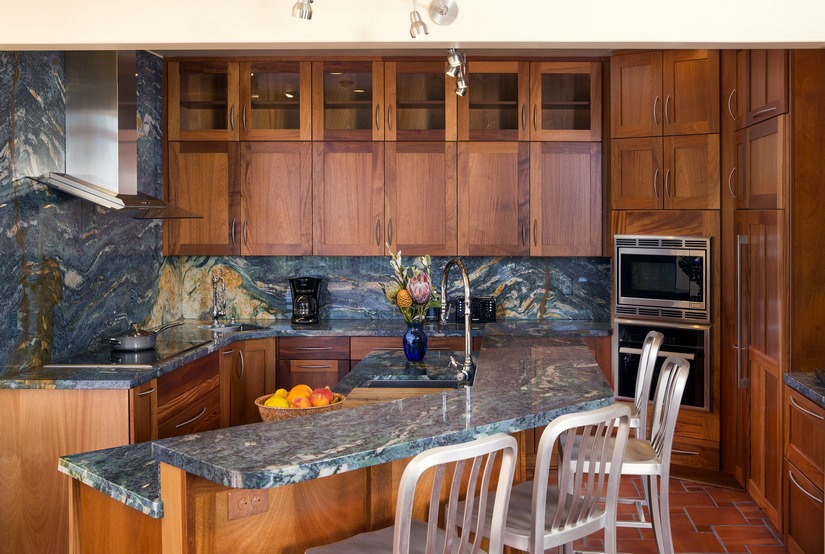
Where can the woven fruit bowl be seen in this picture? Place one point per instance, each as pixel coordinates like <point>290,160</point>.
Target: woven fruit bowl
<point>269,413</point>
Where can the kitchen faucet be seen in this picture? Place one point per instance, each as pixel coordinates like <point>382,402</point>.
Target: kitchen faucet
<point>468,368</point>
<point>218,299</point>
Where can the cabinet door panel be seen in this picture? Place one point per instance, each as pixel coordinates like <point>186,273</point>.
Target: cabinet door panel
<point>804,514</point>
<point>805,436</point>
<point>690,88</point>
<point>692,172</point>
<point>493,198</point>
<point>421,104</point>
<point>276,100</point>
<point>203,100</point>
<point>565,101</point>
<point>420,198</point>
<point>197,409</point>
<point>276,199</point>
<point>251,377</point>
<point>636,178</point>
<point>768,84</point>
<point>766,172</point>
<point>203,178</point>
<point>495,106</point>
<point>566,199</point>
<point>636,101</point>
<point>348,199</point>
<point>348,100</point>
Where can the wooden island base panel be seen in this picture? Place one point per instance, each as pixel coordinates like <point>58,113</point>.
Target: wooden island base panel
<point>288,485</point>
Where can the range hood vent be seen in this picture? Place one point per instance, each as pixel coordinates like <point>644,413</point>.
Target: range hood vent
<point>101,136</point>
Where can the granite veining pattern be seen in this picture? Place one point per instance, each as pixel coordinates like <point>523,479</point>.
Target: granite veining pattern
<point>808,385</point>
<point>522,382</point>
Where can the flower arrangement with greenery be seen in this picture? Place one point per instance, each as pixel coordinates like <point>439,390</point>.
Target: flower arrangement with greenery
<point>411,289</point>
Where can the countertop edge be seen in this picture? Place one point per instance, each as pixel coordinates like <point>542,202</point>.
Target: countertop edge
<point>808,385</point>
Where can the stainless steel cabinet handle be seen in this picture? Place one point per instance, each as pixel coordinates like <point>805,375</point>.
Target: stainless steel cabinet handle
<point>389,232</point>
<point>655,104</point>
<point>535,233</point>
<point>685,452</point>
<point>228,352</point>
<point>378,117</point>
<point>242,367</point>
<point>809,495</point>
<point>521,231</point>
<point>187,422</point>
<point>232,116</point>
<point>314,348</point>
<point>762,112</point>
<point>742,382</point>
<point>655,187</point>
<point>389,117</point>
<point>233,231</point>
<point>243,117</point>
<point>378,232</point>
<point>730,182</point>
<point>150,391</point>
<point>730,109</point>
<point>801,408</point>
<point>315,366</point>
<point>667,106</point>
<point>245,236</point>
<point>523,116</point>
<point>667,183</point>
<point>535,117</point>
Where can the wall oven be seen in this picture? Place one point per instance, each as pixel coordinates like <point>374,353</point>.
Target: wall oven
<point>689,341</point>
<point>662,277</point>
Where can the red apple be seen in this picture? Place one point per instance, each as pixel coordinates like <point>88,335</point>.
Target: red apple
<point>325,392</point>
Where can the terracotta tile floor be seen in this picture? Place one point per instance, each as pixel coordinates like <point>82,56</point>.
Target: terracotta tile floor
<point>703,518</point>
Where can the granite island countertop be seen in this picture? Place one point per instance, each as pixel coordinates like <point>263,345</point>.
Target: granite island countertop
<point>808,385</point>
<point>525,378</point>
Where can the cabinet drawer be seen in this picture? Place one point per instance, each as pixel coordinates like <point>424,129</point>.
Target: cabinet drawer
<point>697,453</point>
<point>804,513</point>
<point>313,348</point>
<point>197,409</point>
<point>805,436</point>
<point>315,373</point>
<point>177,382</point>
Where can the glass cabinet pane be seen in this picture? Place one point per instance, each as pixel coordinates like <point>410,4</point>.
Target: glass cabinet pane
<point>565,101</point>
<point>204,96</point>
<point>420,101</point>
<point>494,101</point>
<point>348,99</point>
<point>275,96</point>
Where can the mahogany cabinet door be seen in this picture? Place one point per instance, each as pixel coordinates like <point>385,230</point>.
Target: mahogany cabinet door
<point>143,406</point>
<point>276,100</point>
<point>565,198</point>
<point>636,174</point>
<point>276,199</point>
<point>420,198</point>
<point>420,101</point>
<point>768,84</point>
<point>636,102</point>
<point>691,172</point>
<point>565,101</point>
<point>493,198</point>
<point>348,100</point>
<point>203,100</point>
<point>348,199</point>
<point>251,375</point>
<point>766,170</point>
<point>690,86</point>
<point>496,104</point>
<point>204,179</point>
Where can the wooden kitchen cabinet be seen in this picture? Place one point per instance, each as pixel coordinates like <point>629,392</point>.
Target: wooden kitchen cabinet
<point>348,100</point>
<point>189,399</point>
<point>420,198</point>
<point>348,199</point>
<point>420,101</point>
<point>313,361</point>
<point>495,106</point>
<point>229,100</point>
<point>250,368</point>
<point>493,198</point>
<point>143,406</point>
<point>679,172</point>
<point>566,198</point>
<point>767,81</point>
<point>204,179</point>
<point>565,101</point>
<point>675,92</point>
<point>764,170</point>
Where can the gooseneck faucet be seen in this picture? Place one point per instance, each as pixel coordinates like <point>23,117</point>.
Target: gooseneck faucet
<point>218,299</point>
<point>468,368</point>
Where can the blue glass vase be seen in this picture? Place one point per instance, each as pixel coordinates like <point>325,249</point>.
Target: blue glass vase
<point>415,341</point>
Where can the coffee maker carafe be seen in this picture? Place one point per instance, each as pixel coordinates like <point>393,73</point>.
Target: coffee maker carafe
<point>305,299</point>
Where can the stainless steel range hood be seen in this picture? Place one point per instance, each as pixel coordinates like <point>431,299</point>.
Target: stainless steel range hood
<point>101,136</point>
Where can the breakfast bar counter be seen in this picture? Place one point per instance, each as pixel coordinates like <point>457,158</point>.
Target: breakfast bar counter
<point>334,472</point>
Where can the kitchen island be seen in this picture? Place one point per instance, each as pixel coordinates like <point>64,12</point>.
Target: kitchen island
<point>316,480</point>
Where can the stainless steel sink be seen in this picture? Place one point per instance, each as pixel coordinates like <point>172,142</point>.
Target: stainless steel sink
<point>232,327</point>
<point>412,383</point>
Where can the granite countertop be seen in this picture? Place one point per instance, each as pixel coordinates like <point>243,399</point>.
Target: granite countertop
<point>526,377</point>
<point>808,385</point>
<point>114,377</point>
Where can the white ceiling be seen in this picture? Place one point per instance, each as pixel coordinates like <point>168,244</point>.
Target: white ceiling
<point>378,26</point>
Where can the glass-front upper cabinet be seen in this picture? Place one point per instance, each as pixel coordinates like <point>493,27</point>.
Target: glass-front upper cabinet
<point>420,99</point>
<point>348,100</point>
<point>203,100</point>
<point>276,100</point>
<point>565,100</point>
<point>495,106</point>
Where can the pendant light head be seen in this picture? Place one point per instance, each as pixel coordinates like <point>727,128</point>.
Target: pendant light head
<point>457,67</point>
<point>417,26</point>
<point>302,9</point>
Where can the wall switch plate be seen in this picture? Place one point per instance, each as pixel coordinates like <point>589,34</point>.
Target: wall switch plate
<point>246,502</point>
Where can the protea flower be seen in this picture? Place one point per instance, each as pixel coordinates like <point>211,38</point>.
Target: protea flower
<point>390,289</point>
<point>420,288</point>
<point>403,299</point>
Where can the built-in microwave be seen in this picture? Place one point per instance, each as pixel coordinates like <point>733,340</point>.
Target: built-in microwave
<point>662,277</point>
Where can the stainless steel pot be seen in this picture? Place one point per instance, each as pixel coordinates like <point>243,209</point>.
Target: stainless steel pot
<point>139,339</point>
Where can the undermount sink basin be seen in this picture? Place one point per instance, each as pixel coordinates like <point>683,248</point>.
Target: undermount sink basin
<point>412,383</point>
<point>232,327</point>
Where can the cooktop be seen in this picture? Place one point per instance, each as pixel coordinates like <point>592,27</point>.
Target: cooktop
<point>105,357</point>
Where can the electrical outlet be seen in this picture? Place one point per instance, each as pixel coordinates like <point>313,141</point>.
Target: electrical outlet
<point>246,502</point>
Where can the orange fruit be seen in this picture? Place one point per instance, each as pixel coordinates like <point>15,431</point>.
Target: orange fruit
<point>298,391</point>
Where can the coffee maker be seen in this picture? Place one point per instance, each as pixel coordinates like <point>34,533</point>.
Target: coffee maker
<point>305,299</point>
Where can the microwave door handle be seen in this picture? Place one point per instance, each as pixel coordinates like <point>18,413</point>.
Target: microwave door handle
<point>742,382</point>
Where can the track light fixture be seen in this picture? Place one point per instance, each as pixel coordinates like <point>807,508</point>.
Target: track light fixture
<point>443,12</point>
<point>457,67</point>
<point>417,26</point>
<point>302,9</point>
